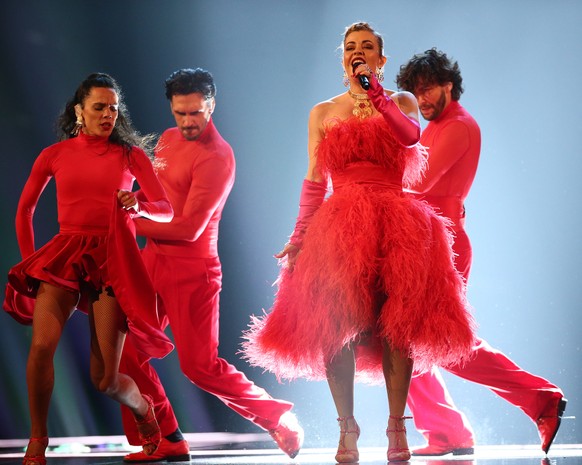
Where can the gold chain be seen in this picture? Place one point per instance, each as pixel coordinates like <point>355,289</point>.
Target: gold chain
<point>362,106</point>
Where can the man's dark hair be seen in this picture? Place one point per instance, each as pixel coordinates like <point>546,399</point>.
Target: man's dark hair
<point>189,81</point>
<point>430,67</point>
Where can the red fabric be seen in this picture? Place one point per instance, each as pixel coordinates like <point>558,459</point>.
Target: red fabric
<point>438,419</point>
<point>14,300</point>
<point>405,129</point>
<point>367,241</point>
<point>138,303</point>
<point>454,143</point>
<point>148,381</point>
<point>182,260</point>
<point>88,172</point>
<point>188,296</point>
<point>312,195</point>
<point>198,177</point>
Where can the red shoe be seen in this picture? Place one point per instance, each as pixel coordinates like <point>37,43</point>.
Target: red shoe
<point>549,422</point>
<point>38,459</point>
<point>395,432</point>
<point>148,429</point>
<point>288,435</point>
<point>345,455</point>
<point>168,451</point>
<point>466,449</point>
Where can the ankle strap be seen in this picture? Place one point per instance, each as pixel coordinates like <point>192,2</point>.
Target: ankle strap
<point>344,427</point>
<point>42,439</point>
<point>398,428</point>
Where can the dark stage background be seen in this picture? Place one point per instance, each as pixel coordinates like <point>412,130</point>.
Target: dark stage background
<point>273,60</point>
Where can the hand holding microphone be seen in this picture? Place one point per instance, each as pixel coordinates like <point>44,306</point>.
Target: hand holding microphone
<point>364,81</point>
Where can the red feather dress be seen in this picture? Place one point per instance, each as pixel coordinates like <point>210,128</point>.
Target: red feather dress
<point>375,264</point>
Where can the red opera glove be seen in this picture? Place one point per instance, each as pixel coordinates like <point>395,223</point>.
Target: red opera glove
<point>406,130</point>
<point>312,195</point>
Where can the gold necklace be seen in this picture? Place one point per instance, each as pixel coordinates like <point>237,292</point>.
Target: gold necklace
<point>362,107</point>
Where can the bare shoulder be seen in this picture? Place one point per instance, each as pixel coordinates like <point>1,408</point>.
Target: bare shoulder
<point>406,101</point>
<point>402,97</point>
<point>321,109</point>
<point>331,109</point>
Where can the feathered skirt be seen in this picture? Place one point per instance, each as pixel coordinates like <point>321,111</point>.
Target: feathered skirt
<point>376,265</point>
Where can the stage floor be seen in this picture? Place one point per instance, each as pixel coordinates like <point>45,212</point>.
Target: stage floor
<point>257,449</point>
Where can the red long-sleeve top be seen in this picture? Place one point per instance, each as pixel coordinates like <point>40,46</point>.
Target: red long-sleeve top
<point>198,177</point>
<point>454,144</point>
<point>88,170</point>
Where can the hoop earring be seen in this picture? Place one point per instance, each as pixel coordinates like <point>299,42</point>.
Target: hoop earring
<point>346,79</point>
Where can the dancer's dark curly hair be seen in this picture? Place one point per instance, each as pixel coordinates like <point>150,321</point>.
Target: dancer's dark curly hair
<point>430,67</point>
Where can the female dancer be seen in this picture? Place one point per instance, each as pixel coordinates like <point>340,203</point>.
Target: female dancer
<point>94,167</point>
<point>365,268</point>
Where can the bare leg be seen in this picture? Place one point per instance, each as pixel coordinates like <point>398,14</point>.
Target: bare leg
<point>108,330</point>
<point>340,378</point>
<point>52,309</point>
<point>397,373</point>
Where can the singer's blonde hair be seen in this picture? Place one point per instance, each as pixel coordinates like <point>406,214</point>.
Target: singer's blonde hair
<point>363,26</point>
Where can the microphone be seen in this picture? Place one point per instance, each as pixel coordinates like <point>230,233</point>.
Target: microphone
<point>364,81</point>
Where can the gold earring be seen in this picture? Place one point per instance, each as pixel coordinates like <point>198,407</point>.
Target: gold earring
<point>78,126</point>
<point>79,123</point>
<point>346,79</point>
<point>380,74</point>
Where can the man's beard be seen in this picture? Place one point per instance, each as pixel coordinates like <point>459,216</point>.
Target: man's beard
<point>437,108</point>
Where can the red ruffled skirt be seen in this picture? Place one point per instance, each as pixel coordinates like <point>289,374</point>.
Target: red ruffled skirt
<point>67,261</point>
<point>375,264</point>
<point>85,263</point>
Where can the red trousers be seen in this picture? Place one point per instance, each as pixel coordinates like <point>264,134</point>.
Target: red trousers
<point>435,414</point>
<point>188,297</point>
<point>433,410</point>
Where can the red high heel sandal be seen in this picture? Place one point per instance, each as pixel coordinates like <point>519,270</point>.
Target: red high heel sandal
<point>148,429</point>
<point>38,459</point>
<point>347,455</point>
<point>396,453</point>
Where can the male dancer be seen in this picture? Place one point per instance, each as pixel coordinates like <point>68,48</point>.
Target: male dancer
<point>454,142</point>
<point>197,169</point>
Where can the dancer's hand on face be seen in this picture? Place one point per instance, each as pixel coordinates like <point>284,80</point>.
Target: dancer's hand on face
<point>290,251</point>
<point>127,200</point>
